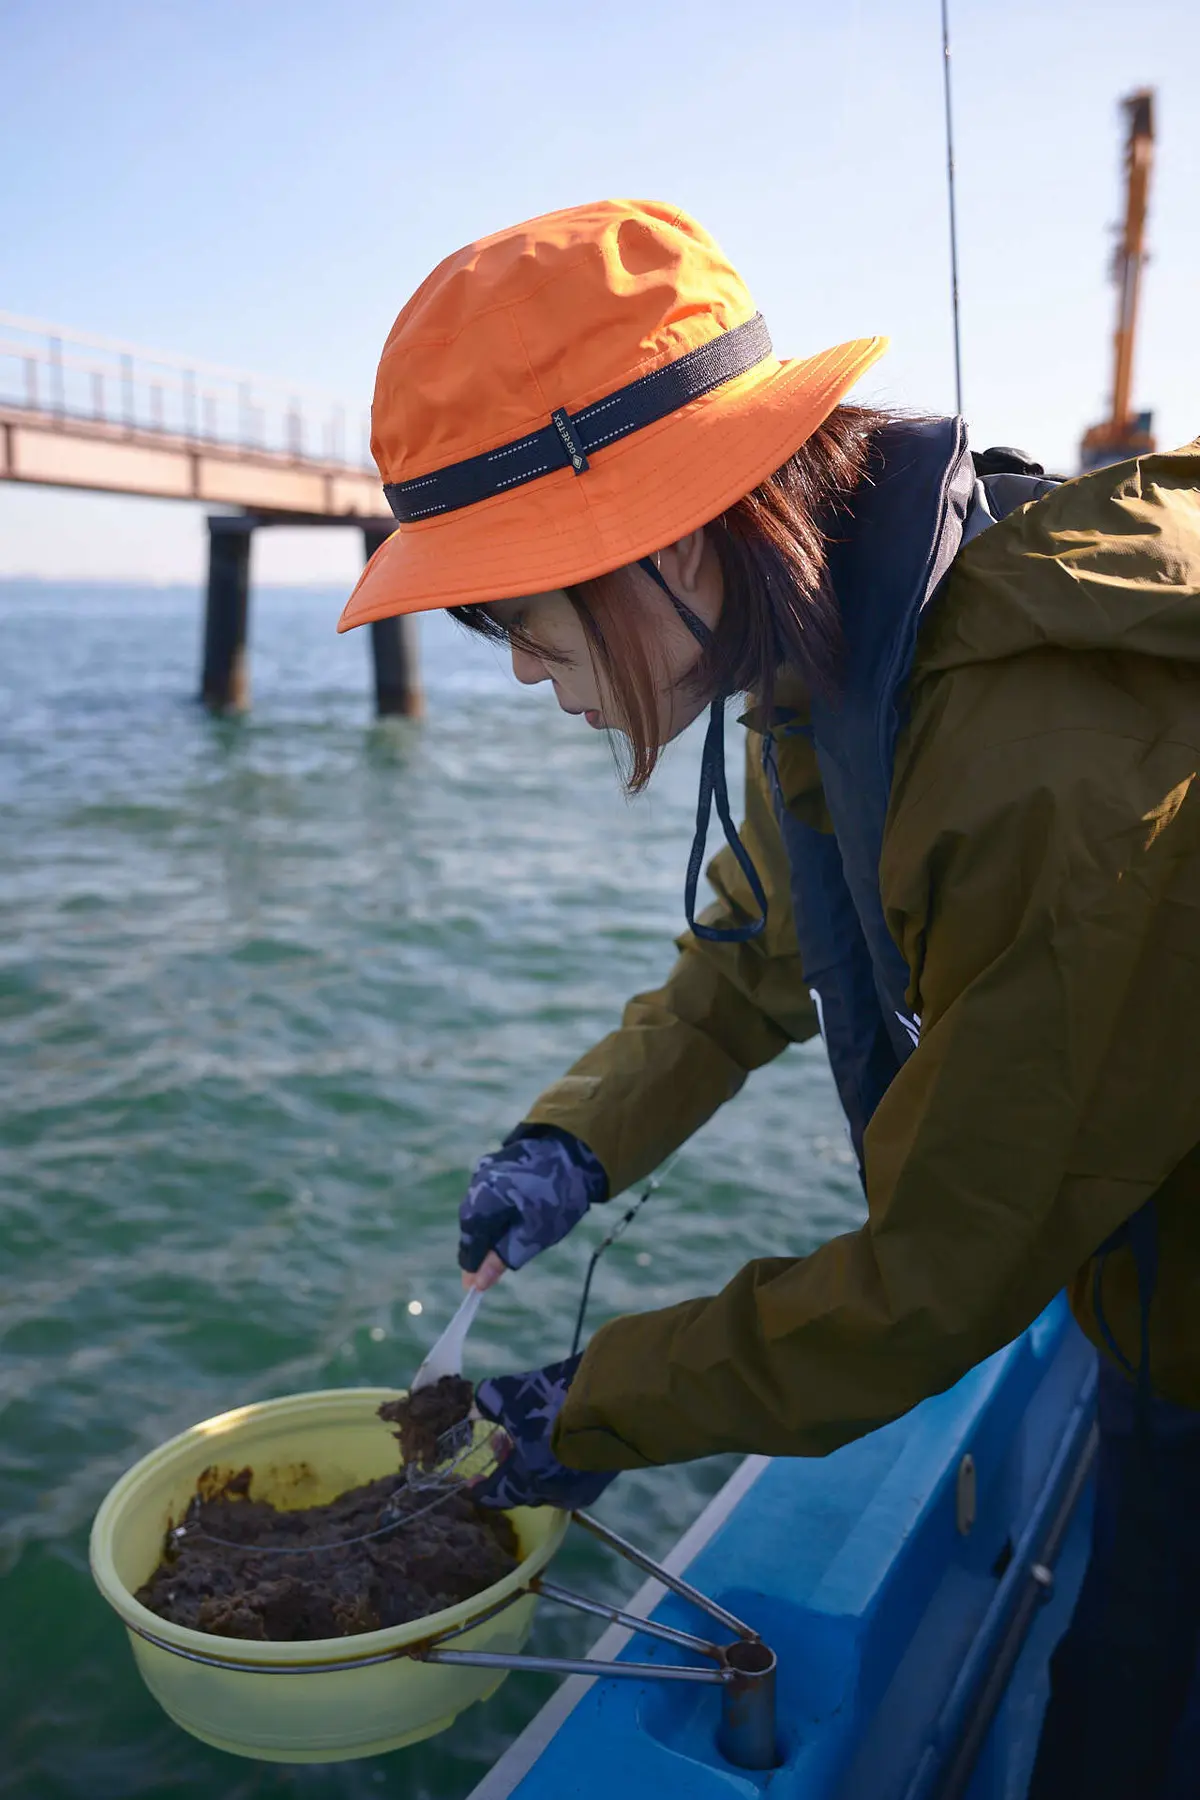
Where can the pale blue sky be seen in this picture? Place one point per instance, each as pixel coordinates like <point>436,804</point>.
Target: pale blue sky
<point>263,184</point>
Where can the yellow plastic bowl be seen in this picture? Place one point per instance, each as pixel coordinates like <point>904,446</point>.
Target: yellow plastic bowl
<point>304,1449</point>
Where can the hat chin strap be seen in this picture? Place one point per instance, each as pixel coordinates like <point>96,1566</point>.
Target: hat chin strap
<point>712,787</point>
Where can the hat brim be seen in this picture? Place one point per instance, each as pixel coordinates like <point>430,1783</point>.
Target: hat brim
<point>638,495</point>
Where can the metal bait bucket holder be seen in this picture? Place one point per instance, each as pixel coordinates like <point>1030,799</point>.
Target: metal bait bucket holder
<point>743,1670</point>
<point>382,1690</point>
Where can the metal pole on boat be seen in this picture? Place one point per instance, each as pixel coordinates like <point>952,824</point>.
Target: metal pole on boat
<point>1032,1587</point>
<point>599,1609</point>
<point>573,1665</point>
<point>745,1673</point>
<point>746,1735</point>
<point>676,1583</point>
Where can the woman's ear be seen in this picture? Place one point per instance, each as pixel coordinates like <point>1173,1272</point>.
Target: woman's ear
<point>680,563</point>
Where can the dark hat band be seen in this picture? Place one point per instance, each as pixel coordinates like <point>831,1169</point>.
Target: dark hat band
<point>568,440</point>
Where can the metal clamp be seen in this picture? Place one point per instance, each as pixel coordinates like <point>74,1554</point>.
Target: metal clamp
<point>743,1670</point>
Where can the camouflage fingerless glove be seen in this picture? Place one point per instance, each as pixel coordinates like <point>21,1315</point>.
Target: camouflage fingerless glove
<point>527,1195</point>
<point>531,1475</point>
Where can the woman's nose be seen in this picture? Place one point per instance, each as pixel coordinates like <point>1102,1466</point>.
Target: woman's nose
<point>528,668</point>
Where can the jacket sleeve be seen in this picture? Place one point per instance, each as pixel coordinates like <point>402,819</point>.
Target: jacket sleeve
<point>1042,873</point>
<point>684,1049</point>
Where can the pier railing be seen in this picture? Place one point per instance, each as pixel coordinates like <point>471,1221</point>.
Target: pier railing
<point>93,413</point>
<point>76,377</point>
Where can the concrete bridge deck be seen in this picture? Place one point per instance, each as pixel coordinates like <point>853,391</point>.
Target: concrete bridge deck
<point>63,450</point>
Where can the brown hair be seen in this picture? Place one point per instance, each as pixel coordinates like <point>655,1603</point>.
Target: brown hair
<point>772,550</point>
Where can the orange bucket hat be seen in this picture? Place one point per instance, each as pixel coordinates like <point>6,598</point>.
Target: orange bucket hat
<point>571,395</point>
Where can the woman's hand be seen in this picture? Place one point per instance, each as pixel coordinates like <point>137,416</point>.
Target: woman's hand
<point>487,1274</point>
<point>523,1198</point>
<point>526,1406</point>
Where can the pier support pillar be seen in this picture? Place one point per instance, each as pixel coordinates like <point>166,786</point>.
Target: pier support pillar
<point>225,681</point>
<point>393,651</point>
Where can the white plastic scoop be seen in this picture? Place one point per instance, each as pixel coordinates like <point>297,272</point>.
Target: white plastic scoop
<point>446,1357</point>
<point>468,1450</point>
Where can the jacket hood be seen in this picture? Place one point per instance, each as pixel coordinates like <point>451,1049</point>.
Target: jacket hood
<point>1109,561</point>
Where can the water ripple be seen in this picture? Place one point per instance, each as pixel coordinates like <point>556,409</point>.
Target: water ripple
<point>267,990</point>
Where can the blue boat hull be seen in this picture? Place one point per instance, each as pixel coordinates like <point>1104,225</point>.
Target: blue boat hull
<point>912,1599</point>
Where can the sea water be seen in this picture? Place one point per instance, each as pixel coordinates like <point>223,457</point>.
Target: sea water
<point>268,988</point>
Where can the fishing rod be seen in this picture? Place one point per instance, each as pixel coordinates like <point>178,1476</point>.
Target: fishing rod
<point>958,397</point>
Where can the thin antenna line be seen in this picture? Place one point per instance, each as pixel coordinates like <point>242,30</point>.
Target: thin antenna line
<point>958,399</point>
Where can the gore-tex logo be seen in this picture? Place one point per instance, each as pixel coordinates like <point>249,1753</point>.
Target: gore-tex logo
<point>571,444</point>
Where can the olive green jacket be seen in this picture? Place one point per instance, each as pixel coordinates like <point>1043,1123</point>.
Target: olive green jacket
<point>1041,874</point>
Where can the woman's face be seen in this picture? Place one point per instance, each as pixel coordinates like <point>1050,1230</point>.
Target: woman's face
<point>691,570</point>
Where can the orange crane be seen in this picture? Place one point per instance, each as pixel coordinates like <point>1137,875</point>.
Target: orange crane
<point>1125,433</point>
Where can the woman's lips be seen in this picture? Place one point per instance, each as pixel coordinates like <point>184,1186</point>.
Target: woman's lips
<point>590,713</point>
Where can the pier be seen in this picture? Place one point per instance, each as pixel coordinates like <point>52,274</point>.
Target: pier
<point>85,412</point>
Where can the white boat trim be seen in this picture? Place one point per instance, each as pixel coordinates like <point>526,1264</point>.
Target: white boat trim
<point>512,1768</point>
